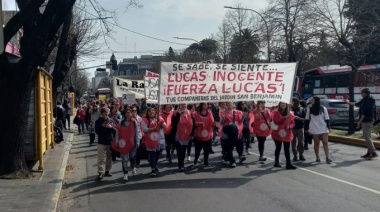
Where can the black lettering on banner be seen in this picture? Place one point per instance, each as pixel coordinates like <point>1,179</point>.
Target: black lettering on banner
<point>153,95</point>
<point>151,83</point>
<point>135,84</point>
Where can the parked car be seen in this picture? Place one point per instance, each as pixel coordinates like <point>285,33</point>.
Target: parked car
<point>338,112</point>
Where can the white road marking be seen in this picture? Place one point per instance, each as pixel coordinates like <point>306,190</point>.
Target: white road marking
<point>333,178</point>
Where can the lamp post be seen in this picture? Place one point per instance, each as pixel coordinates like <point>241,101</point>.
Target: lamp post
<point>265,22</point>
<point>186,39</point>
<point>180,38</point>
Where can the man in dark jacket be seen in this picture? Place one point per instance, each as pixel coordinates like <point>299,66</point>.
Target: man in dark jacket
<point>59,114</point>
<point>104,127</point>
<point>367,109</point>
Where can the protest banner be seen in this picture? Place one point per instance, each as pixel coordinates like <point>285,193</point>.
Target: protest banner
<point>128,98</point>
<point>151,89</point>
<point>195,83</point>
<point>123,86</point>
<point>151,74</point>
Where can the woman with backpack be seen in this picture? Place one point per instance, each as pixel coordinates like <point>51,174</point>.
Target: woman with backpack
<point>317,123</point>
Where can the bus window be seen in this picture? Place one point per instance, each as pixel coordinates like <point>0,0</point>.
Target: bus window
<point>330,81</point>
<point>343,80</point>
<point>319,81</point>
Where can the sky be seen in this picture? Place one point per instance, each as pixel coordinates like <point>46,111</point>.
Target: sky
<point>163,19</point>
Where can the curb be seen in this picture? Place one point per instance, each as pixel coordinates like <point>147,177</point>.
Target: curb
<point>352,141</point>
<point>61,175</point>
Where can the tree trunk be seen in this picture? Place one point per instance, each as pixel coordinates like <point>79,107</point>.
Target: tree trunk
<point>351,118</point>
<point>15,90</point>
<point>59,74</point>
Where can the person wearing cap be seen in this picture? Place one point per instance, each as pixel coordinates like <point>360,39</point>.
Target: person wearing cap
<point>367,113</point>
<point>183,127</point>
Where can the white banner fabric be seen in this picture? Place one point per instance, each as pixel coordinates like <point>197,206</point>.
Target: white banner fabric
<point>151,89</point>
<point>123,86</point>
<point>196,83</point>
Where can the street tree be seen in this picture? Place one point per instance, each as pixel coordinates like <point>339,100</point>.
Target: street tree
<point>40,22</point>
<point>223,37</point>
<point>294,24</point>
<point>343,19</point>
<point>245,47</point>
<point>17,79</point>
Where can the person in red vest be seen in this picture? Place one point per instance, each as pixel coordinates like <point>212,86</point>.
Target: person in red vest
<point>204,121</point>
<point>183,127</point>
<point>81,113</point>
<point>166,114</point>
<point>282,133</point>
<point>128,135</point>
<point>232,122</point>
<point>151,127</point>
<point>260,126</point>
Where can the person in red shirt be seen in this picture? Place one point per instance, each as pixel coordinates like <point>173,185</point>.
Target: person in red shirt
<point>166,114</point>
<point>282,133</point>
<point>151,127</point>
<point>204,122</point>
<point>191,108</point>
<point>81,113</point>
<point>260,126</point>
<point>183,126</point>
<point>232,120</point>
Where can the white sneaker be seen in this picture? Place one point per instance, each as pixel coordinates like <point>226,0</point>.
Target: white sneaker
<point>134,171</point>
<point>233,165</point>
<point>125,178</point>
<point>189,158</point>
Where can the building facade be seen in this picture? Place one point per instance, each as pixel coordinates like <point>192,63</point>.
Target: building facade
<point>137,66</point>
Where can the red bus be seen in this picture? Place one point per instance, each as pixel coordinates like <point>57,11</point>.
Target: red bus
<point>332,82</point>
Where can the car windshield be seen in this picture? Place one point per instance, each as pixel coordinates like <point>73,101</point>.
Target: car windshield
<point>338,104</point>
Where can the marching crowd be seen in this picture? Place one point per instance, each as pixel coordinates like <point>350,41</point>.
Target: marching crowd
<point>132,132</point>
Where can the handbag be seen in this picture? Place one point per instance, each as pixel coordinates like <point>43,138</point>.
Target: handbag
<point>76,120</point>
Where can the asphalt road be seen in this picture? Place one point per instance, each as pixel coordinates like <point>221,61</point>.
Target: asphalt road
<point>349,184</point>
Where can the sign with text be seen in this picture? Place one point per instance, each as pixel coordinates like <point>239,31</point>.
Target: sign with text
<point>195,83</point>
<point>128,99</point>
<point>151,74</point>
<point>151,89</point>
<point>123,86</point>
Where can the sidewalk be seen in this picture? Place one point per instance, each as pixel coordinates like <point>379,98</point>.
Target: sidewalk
<point>42,192</point>
<point>353,141</point>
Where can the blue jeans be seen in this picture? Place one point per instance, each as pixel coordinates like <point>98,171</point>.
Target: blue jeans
<point>81,124</point>
<point>153,157</point>
<point>246,137</point>
<point>124,162</point>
